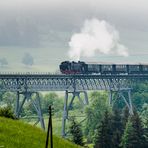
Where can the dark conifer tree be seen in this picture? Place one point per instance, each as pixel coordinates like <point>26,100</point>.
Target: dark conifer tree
<point>146,137</point>
<point>76,132</point>
<point>139,130</point>
<point>117,128</point>
<point>103,137</point>
<point>133,136</point>
<point>126,138</point>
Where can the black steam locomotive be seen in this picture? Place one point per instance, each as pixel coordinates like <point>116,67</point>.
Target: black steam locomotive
<point>80,67</point>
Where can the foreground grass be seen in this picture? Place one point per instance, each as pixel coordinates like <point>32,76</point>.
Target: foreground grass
<point>56,124</point>
<point>16,134</point>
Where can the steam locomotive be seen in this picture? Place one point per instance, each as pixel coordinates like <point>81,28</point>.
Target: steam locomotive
<point>81,67</point>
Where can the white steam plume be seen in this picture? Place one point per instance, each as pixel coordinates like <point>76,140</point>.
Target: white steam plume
<point>96,36</point>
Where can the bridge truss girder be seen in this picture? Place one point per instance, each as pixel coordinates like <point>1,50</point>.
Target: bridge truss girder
<point>70,83</point>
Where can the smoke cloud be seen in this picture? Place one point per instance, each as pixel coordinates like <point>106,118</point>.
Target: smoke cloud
<point>96,36</point>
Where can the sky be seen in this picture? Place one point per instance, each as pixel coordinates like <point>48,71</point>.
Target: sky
<point>48,30</point>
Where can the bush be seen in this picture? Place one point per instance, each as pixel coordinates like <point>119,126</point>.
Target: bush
<point>7,112</point>
<point>76,132</point>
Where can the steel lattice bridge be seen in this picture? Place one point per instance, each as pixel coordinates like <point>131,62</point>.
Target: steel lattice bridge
<point>27,84</point>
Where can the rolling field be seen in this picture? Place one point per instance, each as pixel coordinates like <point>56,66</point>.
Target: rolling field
<point>16,134</point>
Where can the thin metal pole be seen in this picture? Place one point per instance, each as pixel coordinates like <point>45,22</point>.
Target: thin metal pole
<point>49,130</point>
<point>51,139</point>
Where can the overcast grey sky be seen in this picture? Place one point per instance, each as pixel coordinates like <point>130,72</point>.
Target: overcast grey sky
<point>43,28</point>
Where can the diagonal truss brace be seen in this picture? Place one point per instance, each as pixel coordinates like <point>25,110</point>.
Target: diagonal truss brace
<point>128,101</point>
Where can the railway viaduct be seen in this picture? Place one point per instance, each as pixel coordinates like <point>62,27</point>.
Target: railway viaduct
<point>27,84</point>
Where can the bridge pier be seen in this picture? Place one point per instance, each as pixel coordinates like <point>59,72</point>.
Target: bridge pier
<point>69,106</point>
<point>123,94</point>
<point>19,104</point>
<point>65,114</point>
<point>35,102</point>
<point>37,105</point>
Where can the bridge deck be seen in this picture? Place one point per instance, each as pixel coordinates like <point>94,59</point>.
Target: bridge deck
<point>46,75</point>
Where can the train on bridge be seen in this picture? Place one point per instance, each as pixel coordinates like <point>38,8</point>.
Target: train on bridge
<point>81,67</point>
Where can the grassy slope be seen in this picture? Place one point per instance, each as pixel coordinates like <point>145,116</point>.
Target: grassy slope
<point>16,134</point>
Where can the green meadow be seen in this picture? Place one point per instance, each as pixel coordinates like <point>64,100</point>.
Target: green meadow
<point>17,134</point>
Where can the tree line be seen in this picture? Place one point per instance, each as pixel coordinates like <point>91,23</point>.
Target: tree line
<point>116,130</point>
<point>121,131</point>
<point>113,127</point>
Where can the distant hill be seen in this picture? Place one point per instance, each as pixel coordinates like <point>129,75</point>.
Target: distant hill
<point>16,134</point>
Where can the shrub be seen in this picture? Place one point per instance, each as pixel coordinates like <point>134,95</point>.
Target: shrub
<point>7,112</point>
<point>76,132</point>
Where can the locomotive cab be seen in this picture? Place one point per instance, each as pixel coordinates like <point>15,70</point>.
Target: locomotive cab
<point>65,67</point>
